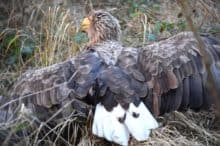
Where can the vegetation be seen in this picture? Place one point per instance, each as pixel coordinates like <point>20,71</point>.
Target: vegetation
<point>35,34</point>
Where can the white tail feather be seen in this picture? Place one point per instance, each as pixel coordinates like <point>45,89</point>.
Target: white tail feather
<point>107,125</point>
<point>138,121</point>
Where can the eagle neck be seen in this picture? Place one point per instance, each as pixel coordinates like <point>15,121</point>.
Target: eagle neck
<point>109,51</point>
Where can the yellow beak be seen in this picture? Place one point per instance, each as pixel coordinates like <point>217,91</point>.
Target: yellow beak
<point>85,25</point>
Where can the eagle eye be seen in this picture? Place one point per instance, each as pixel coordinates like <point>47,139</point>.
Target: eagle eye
<point>98,16</point>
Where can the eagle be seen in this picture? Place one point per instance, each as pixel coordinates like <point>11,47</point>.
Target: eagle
<point>127,87</point>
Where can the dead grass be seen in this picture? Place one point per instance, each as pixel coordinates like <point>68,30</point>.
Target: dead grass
<point>56,41</point>
<point>51,39</point>
<point>176,128</point>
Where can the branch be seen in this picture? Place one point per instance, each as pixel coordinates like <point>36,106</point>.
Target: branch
<point>210,80</point>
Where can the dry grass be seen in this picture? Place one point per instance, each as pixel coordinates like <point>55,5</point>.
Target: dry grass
<point>56,41</point>
<point>176,128</point>
<point>51,39</point>
<point>184,129</point>
<point>187,128</point>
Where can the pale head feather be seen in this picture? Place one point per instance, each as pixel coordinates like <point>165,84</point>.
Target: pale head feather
<point>103,27</point>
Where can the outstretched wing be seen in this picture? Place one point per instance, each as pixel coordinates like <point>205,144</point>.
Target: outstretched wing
<point>60,86</point>
<point>175,71</point>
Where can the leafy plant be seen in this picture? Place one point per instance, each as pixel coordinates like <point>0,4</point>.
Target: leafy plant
<point>10,47</point>
<point>80,38</point>
<point>164,26</point>
<point>16,47</point>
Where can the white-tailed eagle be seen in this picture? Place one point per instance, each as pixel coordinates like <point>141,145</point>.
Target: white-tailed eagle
<point>127,86</point>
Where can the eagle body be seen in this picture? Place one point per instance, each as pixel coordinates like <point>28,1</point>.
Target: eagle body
<point>127,86</point>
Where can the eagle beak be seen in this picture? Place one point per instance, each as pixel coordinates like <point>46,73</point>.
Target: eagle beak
<point>85,25</point>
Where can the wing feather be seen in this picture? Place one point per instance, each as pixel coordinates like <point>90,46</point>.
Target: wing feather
<point>176,65</point>
<point>196,92</point>
<point>186,92</point>
<point>56,85</point>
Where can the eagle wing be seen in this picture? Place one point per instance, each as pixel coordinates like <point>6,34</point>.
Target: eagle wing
<point>60,86</point>
<point>174,70</point>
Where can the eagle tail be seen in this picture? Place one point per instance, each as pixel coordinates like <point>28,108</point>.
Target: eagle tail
<point>118,124</point>
<point>121,113</point>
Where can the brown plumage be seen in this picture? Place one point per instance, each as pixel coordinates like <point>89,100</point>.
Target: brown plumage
<point>165,76</point>
<point>165,66</point>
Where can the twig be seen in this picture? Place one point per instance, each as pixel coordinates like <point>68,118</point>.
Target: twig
<point>210,80</point>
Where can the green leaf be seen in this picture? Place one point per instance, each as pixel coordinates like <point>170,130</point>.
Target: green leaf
<point>80,38</point>
<point>158,27</point>
<point>134,5</point>
<point>133,15</point>
<point>156,6</point>
<point>181,25</point>
<point>27,50</point>
<point>169,26</point>
<point>21,126</point>
<point>11,60</point>
<point>142,9</point>
<point>151,37</point>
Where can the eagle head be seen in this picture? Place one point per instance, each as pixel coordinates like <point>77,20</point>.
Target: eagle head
<point>101,26</point>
